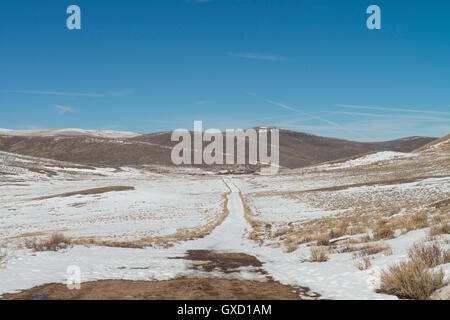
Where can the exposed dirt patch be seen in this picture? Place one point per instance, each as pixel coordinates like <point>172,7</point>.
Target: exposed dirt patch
<point>49,173</point>
<point>226,262</point>
<point>232,262</point>
<point>178,289</point>
<point>78,204</point>
<point>86,192</point>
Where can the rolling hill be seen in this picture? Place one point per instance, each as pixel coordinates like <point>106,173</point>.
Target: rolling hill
<point>112,148</point>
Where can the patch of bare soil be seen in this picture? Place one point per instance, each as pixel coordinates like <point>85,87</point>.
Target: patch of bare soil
<point>178,289</point>
<point>232,262</point>
<point>86,192</point>
<point>226,262</point>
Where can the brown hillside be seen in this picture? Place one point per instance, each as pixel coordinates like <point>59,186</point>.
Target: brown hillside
<point>296,149</point>
<point>441,144</point>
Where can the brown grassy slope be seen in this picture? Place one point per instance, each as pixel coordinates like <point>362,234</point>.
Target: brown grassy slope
<point>296,149</point>
<point>442,147</point>
<point>84,150</point>
<point>301,149</point>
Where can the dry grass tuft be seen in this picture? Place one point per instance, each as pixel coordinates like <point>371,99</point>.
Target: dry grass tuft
<point>440,229</point>
<point>291,244</point>
<point>363,264</point>
<point>318,254</point>
<point>411,280</point>
<point>418,221</point>
<point>281,232</point>
<point>56,242</point>
<point>368,250</point>
<point>430,255</point>
<point>341,230</point>
<point>376,248</point>
<point>323,239</point>
<point>384,233</point>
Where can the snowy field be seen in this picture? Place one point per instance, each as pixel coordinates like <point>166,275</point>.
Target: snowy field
<point>265,216</point>
<point>156,204</point>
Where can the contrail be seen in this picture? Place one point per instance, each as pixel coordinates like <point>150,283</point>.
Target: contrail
<point>73,94</point>
<point>315,117</point>
<point>427,118</point>
<point>390,109</point>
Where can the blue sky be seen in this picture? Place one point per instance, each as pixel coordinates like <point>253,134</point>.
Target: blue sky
<point>146,66</point>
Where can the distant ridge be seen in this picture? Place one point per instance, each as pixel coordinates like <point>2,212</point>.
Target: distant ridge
<point>114,148</point>
<point>70,132</point>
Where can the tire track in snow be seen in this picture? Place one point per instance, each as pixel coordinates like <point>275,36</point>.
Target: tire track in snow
<point>229,234</point>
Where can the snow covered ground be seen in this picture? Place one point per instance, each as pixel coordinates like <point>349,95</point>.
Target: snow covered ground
<point>158,205</point>
<point>374,158</point>
<point>162,203</point>
<point>68,132</point>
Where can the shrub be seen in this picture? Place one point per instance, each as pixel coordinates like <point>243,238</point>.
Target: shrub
<point>384,233</point>
<point>418,221</point>
<point>341,230</point>
<point>318,254</point>
<point>430,255</point>
<point>323,239</point>
<point>56,242</point>
<point>363,264</point>
<point>411,280</point>
<point>281,232</point>
<point>370,249</point>
<point>290,244</point>
<point>440,229</point>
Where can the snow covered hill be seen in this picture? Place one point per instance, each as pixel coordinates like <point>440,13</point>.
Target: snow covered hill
<point>111,134</point>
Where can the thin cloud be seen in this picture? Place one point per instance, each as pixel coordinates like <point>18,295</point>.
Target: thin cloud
<point>119,93</point>
<point>386,127</point>
<point>63,109</point>
<point>389,129</point>
<point>257,56</point>
<point>334,124</point>
<point>377,115</point>
<point>350,106</point>
<point>385,130</point>
<point>73,94</point>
